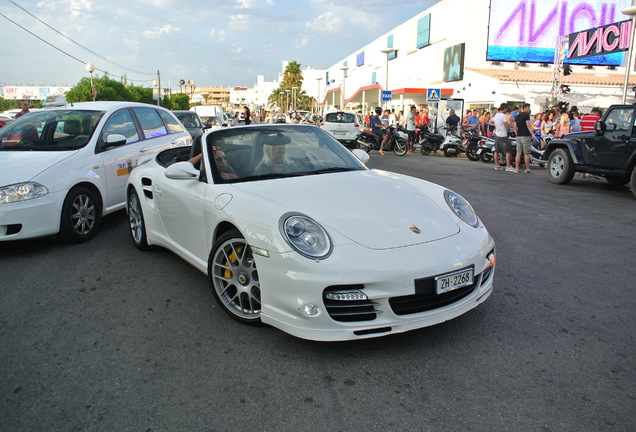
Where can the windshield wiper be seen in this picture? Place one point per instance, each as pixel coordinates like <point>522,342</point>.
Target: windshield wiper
<point>331,170</point>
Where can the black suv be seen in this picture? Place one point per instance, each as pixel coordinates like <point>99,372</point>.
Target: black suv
<point>608,151</point>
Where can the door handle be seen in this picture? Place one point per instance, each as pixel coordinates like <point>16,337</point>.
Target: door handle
<point>143,150</point>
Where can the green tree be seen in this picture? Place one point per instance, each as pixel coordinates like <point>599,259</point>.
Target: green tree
<point>180,101</point>
<point>292,77</point>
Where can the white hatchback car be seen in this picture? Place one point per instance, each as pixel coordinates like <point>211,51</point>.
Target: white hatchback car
<point>343,125</point>
<point>62,168</point>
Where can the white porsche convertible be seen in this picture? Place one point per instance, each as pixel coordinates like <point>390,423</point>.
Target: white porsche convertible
<point>296,232</point>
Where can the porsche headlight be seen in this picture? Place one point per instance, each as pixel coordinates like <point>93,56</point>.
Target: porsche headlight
<point>461,208</point>
<point>21,192</point>
<point>306,236</point>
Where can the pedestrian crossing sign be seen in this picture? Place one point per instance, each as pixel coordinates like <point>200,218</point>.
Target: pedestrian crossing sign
<point>433,95</point>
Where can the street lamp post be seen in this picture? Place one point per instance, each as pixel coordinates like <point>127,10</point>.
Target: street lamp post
<point>344,70</point>
<point>287,100</point>
<point>294,98</point>
<point>318,97</point>
<point>387,51</point>
<point>628,65</point>
<point>90,68</point>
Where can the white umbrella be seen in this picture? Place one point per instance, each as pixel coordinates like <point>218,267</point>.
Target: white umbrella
<point>600,102</point>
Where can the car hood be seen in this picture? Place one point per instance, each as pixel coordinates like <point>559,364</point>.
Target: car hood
<point>376,209</point>
<point>19,166</point>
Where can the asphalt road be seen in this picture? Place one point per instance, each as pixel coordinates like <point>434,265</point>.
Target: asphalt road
<point>102,337</point>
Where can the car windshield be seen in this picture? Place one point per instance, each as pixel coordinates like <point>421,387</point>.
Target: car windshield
<point>276,151</point>
<point>340,117</point>
<point>50,130</point>
<point>210,121</point>
<point>189,119</point>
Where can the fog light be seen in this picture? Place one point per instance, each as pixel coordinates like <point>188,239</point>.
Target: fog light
<point>346,295</point>
<point>311,310</point>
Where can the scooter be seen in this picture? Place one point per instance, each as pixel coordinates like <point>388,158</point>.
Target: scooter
<point>398,141</point>
<point>452,145</point>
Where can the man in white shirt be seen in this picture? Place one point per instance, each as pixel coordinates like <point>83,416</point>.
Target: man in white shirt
<point>502,143</point>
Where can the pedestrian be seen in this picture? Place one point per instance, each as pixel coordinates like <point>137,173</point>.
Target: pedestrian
<point>502,143</point>
<point>24,106</point>
<point>248,116</point>
<point>484,121</point>
<point>515,112</point>
<point>410,127</point>
<point>392,118</point>
<point>523,130</point>
<point>385,117</point>
<point>589,120</point>
<point>575,123</point>
<point>563,126</point>
<point>452,121</point>
<point>537,128</point>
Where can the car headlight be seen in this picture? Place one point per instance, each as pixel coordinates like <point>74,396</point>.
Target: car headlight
<point>21,192</point>
<point>306,236</point>
<point>461,208</point>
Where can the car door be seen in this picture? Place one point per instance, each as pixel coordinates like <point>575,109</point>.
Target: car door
<point>120,160</point>
<point>182,206</point>
<point>145,133</point>
<point>612,148</point>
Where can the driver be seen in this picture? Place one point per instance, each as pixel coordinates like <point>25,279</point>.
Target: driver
<point>378,128</point>
<point>275,158</point>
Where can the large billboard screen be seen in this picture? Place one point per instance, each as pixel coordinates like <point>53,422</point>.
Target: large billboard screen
<point>526,30</point>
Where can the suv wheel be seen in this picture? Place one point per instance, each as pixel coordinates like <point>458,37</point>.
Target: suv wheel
<point>560,167</point>
<point>632,182</point>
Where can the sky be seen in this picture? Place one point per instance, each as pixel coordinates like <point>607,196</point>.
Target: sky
<point>218,43</point>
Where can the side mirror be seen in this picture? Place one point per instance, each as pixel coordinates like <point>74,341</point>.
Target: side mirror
<point>182,171</point>
<point>112,140</point>
<point>361,155</point>
<point>599,127</point>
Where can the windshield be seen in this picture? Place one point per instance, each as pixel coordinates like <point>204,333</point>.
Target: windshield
<point>340,117</point>
<point>275,151</point>
<point>189,119</point>
<point>48,130</point>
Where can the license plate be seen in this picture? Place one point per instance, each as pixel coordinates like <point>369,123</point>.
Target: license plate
<point>479,151</point>
<point>339,133</point>
<point>455,280</point>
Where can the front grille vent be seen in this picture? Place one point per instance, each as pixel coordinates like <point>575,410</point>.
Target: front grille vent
<point>426,299</point>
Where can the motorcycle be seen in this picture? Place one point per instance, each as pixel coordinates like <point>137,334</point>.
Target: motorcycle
<point>473,143</point>
<point>428,141</point>
<point>537,155</point>
<point>398,141</point>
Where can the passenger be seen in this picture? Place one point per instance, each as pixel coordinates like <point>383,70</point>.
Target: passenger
<point>221,163</point>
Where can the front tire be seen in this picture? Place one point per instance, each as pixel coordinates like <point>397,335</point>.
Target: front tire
<point>81,215</point>
<point>136,222</point>
<point>486,157</point>
<point>560,167</point>
<point>400,147</point>
<point>235,283</point>
<point>471,152</point>
<point>632,182</point>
